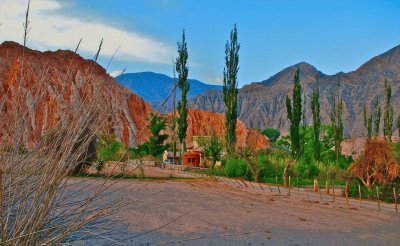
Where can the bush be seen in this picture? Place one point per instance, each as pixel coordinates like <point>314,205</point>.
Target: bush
<point>235,167</point>
<point>109,149</point>
<point>272,134</point>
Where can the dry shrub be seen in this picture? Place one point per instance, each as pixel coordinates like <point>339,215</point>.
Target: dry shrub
<point>376,164</point>
<point>40,203</point>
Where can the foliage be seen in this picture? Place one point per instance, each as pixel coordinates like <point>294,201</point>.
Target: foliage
<point>385,191</point>
<point>388,114</point>
<point>272,134</point>
<point>235,167</point>
<point>367,122</point>
<point>398,124</point>
<point>315,108</point>
<point>213,150</point>
<point>294,116</point>
<point>230,88</point>
<point>337,123</point>
<point>109,149</point>
<point>378,114</point>
<point>377,163</point>
<point>184,86</point>
<point>155,145</point>
<point>284,143</point>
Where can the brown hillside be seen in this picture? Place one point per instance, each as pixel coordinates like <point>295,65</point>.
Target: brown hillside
<point>49,85</point>
<point>203,123</point>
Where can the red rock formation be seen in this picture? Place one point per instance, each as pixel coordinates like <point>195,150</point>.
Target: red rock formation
<point>204,123</point>
<point>50,85</point>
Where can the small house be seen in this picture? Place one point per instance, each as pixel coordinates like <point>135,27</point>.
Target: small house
<point>194,157</point>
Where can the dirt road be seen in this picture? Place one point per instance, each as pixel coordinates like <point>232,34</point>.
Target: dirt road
<point>204,212</point>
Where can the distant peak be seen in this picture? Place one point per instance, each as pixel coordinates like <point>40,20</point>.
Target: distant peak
<point>304,67</point>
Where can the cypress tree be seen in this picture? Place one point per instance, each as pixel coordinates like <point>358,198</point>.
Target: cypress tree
<point>337,123</point>
<point>184,86</point>
<point>315,108</point>
<point>294,115</point>
<point>230,88</point>
<point>368,123</point>
<point>388,114</point>
<point>378,114</point>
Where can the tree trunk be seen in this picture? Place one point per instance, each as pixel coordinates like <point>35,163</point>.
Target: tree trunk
<point>212,167</point>
<point>252,170</point>
<point>285,171</point>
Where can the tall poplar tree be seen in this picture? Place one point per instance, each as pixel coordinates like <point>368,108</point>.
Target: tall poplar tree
<point>388,114</point>
<point>315,108</point>
<point>230,88</point>
<point>336,122</point>
<point>184,86</point>
<point>368,122</point>
<point>378,114</point>
<point>294,115</point>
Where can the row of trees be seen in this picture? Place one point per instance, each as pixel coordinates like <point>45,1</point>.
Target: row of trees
<point>230,90</point>
<point>372,121</point>
<point>382,169</point>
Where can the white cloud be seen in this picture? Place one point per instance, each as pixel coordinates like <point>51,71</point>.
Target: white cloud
<point>116,73</point>
<point>52,30</point>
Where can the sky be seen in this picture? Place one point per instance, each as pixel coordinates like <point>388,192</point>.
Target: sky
<point>334,36</point>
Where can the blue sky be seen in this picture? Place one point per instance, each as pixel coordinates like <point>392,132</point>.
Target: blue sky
<point>334,36</point>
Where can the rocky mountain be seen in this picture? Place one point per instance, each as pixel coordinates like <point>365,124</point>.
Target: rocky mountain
<point>155,88</point>
<point>49,86</point>
<point>263,105</point>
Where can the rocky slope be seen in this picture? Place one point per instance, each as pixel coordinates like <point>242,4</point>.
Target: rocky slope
<point>51,85</point>
<point>155,88</point>
<point>203,123</point>
<point>263,104</point>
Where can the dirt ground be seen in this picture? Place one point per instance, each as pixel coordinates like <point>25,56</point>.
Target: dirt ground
<point>203,212</point>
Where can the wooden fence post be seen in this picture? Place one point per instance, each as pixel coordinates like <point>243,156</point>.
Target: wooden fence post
<point>395,199</point>
<point>377,195</point>
<point>316,185</point>
<point>347,194</point>
<point>289,185</point>
<point>359,194</point>
<point>333,192</point>
<point>319,192</point>
<point>327,187</point>
<point>276,179</point>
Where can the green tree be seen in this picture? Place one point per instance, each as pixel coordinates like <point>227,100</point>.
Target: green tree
<point>337,123</point>
<point>155,144</point>
<point>230,88</point>
<point>398,124</point>
<point>315,108</point>
<point>368,122</point>
<point>294,115</point>
<point>272,134</point>
<point>388,114</point>
<point>378,114</point>
<point>184,86</point>
<point>213,150</point>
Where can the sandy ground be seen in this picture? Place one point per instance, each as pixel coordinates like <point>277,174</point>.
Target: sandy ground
<point>204,212</point>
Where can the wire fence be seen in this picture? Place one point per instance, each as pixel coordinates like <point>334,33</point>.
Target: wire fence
<point>353,198</point>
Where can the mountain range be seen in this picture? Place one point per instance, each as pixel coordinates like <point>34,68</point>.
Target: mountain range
<point>263,104</point>
<point>155,87</point>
